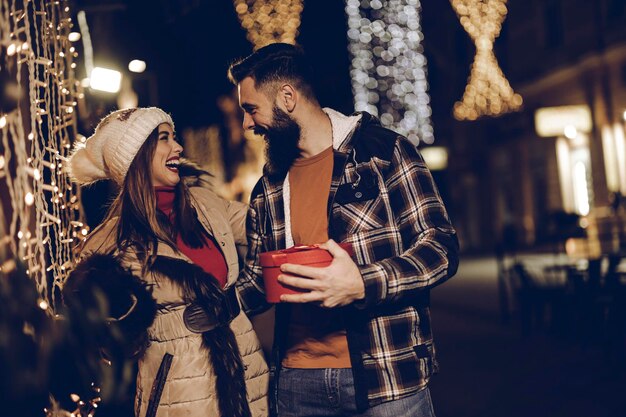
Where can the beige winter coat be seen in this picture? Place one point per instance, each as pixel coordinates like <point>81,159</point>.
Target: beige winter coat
<point>190,386</point>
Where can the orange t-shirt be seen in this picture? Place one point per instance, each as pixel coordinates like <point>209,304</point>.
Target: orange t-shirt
<point>316,336</point>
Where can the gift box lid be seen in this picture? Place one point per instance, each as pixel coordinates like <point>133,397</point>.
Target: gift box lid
<point>300,255</point>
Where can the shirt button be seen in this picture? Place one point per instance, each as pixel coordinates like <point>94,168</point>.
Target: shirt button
<point>358,194</point>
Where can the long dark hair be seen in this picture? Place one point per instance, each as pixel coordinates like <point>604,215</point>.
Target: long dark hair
<point>141,225</point>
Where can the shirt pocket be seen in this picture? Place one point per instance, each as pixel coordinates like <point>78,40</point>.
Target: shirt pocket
<point>359,209</point>
<point>360,202</point>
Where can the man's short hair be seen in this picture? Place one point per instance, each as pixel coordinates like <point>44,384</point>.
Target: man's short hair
<point>274,63</point>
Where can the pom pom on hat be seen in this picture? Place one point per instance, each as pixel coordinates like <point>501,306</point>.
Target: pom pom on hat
<point>83,169</point>
<point>109,152</point>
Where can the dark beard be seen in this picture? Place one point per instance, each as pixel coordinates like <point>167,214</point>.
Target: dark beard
<point>281,143</point>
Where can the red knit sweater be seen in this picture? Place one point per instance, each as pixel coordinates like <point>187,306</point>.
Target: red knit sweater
<point>209,257</point>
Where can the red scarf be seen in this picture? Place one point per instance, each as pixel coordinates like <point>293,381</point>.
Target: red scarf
<point>209,257</point>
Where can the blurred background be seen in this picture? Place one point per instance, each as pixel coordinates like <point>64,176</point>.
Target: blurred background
<point>519,108</point>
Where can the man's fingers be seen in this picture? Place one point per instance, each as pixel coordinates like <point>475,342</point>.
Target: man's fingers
<point>302,298</point>
<point>302,270</point>
<point>297,282</point>
<point>334,249</point>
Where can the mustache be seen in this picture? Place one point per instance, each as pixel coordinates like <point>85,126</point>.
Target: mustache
<point>260,131</point>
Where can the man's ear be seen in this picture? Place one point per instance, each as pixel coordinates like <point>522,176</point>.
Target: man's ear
<point>288,96</point>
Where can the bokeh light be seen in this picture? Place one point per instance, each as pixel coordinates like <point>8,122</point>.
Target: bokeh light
<point>269,21</point>
<point>388,65</point>
<point>488,92</point>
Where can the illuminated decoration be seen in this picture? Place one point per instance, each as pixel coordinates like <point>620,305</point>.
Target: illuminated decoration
<point>73,36</point>
<point>388,65</point>
<point>83,408</point>
<point>574,165</point>
<point>436,157</point>
<point>104,79</point>
<point>581,195</point>
<point>137,65</point>
<point>614,150</point>
<point>269,21</point>
<point>488,92</point>
<point>43,222</point>
<point>562,120</point>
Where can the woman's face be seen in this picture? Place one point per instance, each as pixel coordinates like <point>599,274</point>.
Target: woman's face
<point>166,158</point>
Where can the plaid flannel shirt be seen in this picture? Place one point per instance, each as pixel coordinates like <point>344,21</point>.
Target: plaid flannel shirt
<point>384,202</point>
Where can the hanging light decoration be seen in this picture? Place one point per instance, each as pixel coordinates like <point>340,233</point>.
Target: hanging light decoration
<point>488,92</point>
<point>388,65</point>
<point>44,214</point>
<point>269,21</point>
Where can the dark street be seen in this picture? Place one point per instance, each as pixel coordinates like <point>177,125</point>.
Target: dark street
<point>488,369</point>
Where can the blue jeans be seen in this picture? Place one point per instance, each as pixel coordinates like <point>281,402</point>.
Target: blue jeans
<point>330,392</point>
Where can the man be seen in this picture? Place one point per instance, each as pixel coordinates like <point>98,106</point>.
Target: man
<point>359,341</point>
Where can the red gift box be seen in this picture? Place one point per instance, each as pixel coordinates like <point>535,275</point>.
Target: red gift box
<point>300,255</point>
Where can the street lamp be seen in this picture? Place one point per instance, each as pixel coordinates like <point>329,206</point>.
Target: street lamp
<point>104,79</point>
<point>137,65</point>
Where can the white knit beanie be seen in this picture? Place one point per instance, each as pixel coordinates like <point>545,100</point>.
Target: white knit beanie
<point>108,153</point>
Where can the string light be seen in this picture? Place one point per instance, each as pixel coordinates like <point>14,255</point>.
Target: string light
<point>37,141</point>
<point>83,408</point>
<point>488,92</point>
<point>29,199</point>
<point>388,65</point>
<point>269,21</point>
<point>11,49</point>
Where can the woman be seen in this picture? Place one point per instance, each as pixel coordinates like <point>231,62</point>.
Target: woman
<point>179,238</point>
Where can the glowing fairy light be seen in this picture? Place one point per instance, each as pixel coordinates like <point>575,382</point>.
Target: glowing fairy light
<point>37,144</point>
<point>268,21</point>
<point>388,65</point>
<point>29,198</point>
<point>488,92</point>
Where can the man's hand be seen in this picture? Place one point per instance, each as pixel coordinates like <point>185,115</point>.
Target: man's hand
<point>338,284</point>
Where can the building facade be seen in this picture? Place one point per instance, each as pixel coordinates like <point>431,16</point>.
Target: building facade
<point>553,170</point>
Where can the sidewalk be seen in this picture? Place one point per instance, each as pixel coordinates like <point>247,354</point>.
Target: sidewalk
<point>488,370</point>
